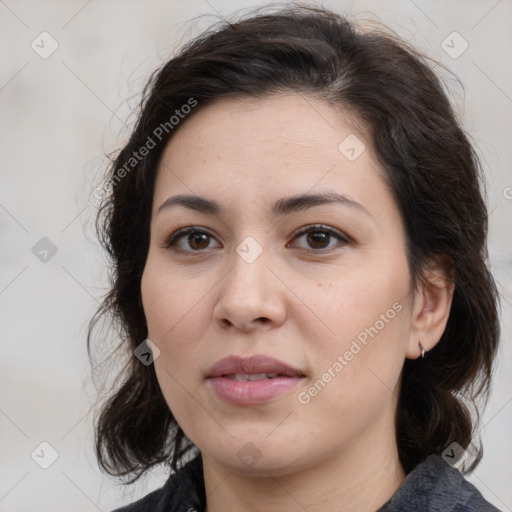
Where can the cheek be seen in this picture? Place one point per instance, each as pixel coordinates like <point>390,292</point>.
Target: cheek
<point>354,382</point>
<point>177,330</point>
<point>358,365</point>
<point>356,299</point>
<point>171,302</point>
<point>175,313</point>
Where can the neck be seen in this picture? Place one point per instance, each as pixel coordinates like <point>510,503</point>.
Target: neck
<point>361,478</point>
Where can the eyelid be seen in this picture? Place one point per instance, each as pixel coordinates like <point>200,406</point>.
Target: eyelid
<point>320,227</point>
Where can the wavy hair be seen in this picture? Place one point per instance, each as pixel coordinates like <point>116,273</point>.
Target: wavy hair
<point>430,166</point>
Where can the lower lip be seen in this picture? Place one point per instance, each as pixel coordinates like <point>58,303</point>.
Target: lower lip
<point>251,392</point>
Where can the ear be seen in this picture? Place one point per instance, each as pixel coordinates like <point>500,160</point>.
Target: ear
<point>432,304</point>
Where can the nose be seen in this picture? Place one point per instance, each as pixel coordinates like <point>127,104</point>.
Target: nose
<point>251,296</point>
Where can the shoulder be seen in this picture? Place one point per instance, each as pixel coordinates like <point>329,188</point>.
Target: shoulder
<point>437,487</point>
<point>149,502</point>
<point>183,489</point>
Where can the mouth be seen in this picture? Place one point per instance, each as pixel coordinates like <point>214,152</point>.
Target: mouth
<point>252,380</point>
<point>252,368</point>
<point>252,376</point>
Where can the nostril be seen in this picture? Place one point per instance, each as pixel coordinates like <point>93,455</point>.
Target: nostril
<point>262,319</point>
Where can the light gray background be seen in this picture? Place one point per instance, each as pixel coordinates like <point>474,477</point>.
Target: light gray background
<point>58,117</point>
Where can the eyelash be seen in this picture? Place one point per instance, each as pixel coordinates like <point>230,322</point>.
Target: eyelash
<point>171,240</point>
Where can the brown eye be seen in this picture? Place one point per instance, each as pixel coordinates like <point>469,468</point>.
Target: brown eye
<point>198,241</point>
<point>189,240</point>
<point>319,238</point>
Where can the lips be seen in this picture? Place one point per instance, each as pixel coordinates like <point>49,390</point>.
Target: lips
<point>251,380</point>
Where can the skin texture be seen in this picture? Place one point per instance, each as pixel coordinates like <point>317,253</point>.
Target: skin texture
<point>338,451</point>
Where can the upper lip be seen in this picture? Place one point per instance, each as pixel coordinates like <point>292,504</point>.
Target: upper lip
<point>253,364</point>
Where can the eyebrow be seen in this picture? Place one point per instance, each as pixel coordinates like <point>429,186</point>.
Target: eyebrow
<point>282,207</point>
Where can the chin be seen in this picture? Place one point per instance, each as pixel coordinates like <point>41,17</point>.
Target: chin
<point>257,456</point>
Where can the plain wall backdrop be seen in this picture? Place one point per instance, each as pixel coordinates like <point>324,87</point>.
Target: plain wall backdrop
<point>70,73</point>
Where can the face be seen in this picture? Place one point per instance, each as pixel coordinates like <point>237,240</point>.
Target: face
<point>322,286</point>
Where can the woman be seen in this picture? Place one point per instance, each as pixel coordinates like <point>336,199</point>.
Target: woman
<point>298,240</point>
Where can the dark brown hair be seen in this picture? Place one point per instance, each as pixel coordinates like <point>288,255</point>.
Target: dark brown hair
<point>430,166</point>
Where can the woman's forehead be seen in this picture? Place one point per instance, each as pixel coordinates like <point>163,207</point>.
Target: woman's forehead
<point>273,140</point>
<point>286,121</point>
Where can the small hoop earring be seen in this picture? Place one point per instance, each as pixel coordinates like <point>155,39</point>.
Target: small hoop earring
<point>423,351</point>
